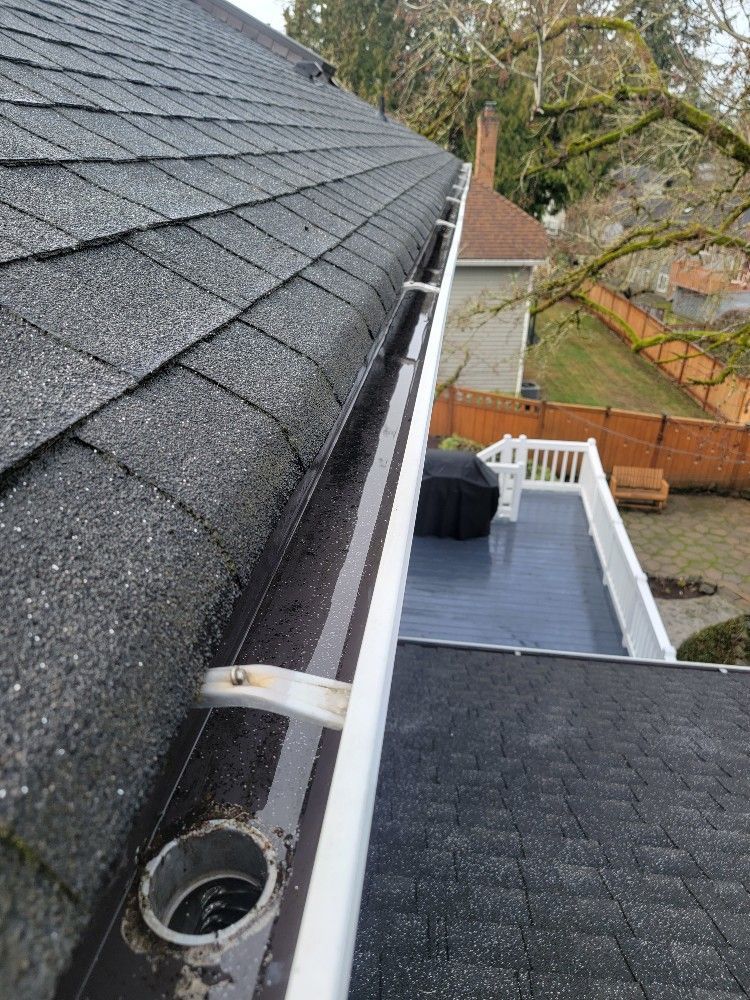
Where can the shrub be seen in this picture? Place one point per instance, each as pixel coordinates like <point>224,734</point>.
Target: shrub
<point>727,642</point>
<point>457,443</point>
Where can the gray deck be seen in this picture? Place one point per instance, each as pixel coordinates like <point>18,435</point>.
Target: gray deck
<point>535,583</point>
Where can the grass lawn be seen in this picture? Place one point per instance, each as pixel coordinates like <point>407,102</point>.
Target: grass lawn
<point>587,363</point>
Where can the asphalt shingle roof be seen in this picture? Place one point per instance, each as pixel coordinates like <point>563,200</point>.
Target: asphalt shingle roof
<point>197,247</point>
<point>496,229</point>
<point>555,828</point>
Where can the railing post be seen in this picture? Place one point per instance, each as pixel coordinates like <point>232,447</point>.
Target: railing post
<point>522,452</point>
<point>451,408</point>
<point>506,449</point>
<point>517,486</point>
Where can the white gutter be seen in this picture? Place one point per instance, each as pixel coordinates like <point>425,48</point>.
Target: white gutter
<point>500,262</point>
<point>325,945</point>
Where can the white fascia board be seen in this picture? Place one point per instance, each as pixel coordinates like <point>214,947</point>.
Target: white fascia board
<point>500,263</point>
<point>325,944</point>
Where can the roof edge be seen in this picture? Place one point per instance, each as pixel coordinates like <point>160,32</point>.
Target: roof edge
<point>275,41</point>
<point>571,654</point>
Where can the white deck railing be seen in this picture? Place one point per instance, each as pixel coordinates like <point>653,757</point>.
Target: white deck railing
<point>575,466</point>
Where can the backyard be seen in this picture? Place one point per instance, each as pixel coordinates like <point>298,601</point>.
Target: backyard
<point>581,361</point>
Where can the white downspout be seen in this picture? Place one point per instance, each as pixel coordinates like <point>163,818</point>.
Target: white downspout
<point>524,335</point>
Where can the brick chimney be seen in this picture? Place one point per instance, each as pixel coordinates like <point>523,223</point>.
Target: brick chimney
<point>484,162</point>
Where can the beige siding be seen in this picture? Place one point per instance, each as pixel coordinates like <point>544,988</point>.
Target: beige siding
<point>485,346</point>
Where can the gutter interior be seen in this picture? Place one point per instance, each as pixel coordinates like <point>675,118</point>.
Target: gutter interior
<point>307,614</point>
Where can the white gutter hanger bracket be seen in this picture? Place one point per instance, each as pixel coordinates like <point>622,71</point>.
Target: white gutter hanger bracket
<point>421,286</point>
<point>276,689</point>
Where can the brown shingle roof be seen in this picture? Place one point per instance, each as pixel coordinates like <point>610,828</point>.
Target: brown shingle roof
<point>496,229</point>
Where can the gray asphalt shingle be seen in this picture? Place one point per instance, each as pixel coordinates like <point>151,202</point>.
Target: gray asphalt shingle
<point>479,745</point>
<point>241,237</point>
<point>225,461</point>
<point>45,387</point>
<point>105,654</point>
<point>318,325</point>
<point>151,186</point>
<point>240,358</point>
<point>59,197</point>
<point>22,234</point>
<point>170,376</point>
<point>114,303</point>
<point>205,263</point>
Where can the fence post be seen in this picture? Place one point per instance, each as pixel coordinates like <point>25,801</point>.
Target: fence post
<point>745,401</point>
<point>451,404</point>
<point>541,416</point>
<point>741,460</point>
<point>656,458</point>
<point>681,376</point>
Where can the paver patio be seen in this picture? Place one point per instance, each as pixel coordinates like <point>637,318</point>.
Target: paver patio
<point>697,535</point>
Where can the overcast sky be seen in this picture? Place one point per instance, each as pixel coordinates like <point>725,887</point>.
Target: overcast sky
<point>268,11</point>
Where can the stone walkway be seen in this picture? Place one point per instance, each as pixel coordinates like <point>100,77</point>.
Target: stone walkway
<point>697,535</point>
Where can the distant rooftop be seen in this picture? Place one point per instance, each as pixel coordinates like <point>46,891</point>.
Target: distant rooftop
<point>494,228</point>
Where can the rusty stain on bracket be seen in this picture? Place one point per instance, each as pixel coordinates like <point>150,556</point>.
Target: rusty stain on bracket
<point>276,689</point>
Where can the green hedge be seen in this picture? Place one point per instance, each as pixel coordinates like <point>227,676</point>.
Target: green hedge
<point>727,642</point>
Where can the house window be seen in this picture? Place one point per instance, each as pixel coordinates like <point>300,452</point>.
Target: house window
<point>662,282</point>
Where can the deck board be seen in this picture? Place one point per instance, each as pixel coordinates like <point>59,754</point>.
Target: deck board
<point>535,583</point>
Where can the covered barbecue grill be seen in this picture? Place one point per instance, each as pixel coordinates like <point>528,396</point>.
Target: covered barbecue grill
<point>458,498</point>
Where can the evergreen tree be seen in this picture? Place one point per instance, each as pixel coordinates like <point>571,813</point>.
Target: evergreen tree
<point>360,37</point>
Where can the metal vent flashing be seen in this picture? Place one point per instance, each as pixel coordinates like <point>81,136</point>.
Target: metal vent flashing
<point>324,605</point>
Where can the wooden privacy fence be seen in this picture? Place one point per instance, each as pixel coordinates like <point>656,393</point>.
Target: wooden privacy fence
<point>679,360</point>
<point>693,453</point>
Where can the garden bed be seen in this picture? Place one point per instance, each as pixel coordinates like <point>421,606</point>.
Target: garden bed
<point>680,588</point>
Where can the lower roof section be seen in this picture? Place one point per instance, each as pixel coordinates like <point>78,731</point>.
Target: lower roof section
<point>558,827</point>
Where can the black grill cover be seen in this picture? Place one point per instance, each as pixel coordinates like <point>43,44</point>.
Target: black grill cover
<point>458,498</point>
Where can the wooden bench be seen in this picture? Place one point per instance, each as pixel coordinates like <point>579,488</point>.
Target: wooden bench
<point>635,487</point>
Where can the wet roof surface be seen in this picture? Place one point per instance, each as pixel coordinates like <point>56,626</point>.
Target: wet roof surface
<point>535,583</point>
<point>551,828</point>
<point>197,247</point>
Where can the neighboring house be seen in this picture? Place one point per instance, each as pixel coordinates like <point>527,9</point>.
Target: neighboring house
<point>484,345</point>
<point>705,294</point>
<point>641,196</point>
